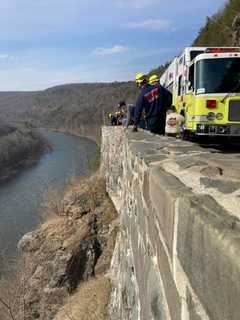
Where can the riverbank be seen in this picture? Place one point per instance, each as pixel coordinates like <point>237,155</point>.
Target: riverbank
<point>92,133</point>
<point>20,146</point>
<point>63,265</point>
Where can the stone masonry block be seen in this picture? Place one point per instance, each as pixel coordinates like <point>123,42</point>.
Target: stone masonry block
<point>164,190</point>
<point>165,269</point>
<point>209,250</point>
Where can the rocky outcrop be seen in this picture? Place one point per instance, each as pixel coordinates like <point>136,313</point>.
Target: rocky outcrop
<point>66,251</point>
<point>178,249</point>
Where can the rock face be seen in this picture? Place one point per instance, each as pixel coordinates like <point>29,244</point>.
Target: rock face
<point>178,249</point>
<point>66,251</point>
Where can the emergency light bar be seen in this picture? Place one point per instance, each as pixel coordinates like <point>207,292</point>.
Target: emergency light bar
<point>222,50</point>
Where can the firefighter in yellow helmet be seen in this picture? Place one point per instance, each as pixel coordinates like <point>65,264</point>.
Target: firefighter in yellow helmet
<point>153,99</point>
<point>154,79</point>
<point>141,79</point>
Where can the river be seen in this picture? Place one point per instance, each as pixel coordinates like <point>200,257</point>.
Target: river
<point>22,198</point>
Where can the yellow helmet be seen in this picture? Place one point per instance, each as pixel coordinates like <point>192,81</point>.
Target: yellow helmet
<point>154,78</point>
<point>110,115</point>
<point>140,77</point>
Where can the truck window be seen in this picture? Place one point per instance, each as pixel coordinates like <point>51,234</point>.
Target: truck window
<point>194,54</point>
<point>180,86</point>
<point>191,77</point>
<point>220,75</point>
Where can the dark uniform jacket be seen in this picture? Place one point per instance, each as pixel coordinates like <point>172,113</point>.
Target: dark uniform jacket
<point>154,100</point>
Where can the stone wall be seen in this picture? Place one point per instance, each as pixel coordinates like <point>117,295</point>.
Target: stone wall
<point>178,249</point>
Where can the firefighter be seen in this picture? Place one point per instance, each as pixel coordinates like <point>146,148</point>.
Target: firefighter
<point>153,100</point>
<point>154,80</point>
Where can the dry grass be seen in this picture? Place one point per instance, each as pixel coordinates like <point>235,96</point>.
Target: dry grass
<point>12,293</point>
<point>90,192</point>
<point>89,302</point>
<point>52,205</point>
<point>70,224</point>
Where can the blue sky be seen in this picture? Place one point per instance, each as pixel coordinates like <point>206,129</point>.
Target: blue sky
<point>48,42</point>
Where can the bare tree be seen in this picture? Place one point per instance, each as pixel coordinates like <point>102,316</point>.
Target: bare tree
<point>236,31</point>
<point>12,293</point>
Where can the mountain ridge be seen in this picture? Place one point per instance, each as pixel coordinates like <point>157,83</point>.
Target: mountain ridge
<point>83,107</point>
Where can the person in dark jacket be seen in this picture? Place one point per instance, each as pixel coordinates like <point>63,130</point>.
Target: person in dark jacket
<point>113,119</point>
<point>153,100</point>
<point>166,97</point>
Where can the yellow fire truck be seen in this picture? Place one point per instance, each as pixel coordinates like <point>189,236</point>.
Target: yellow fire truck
<point>205,83</point>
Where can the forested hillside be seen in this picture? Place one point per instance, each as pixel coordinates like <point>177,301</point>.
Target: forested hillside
<point>17,145</point>
<point>219,29</point>
<point>80,108</point>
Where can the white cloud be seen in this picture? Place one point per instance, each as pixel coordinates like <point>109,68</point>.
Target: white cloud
<point>4,56</point>
<point>138,4</point>
<point>109,51</point>
<point>154,25</point>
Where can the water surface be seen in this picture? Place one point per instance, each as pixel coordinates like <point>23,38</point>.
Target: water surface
<point>22,197</point>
